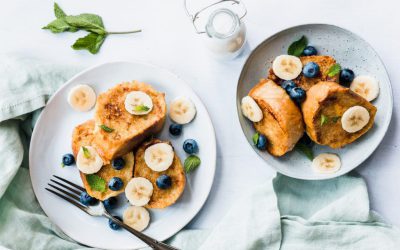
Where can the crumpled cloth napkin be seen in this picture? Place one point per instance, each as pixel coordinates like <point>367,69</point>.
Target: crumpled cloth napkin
<point>284,213</point>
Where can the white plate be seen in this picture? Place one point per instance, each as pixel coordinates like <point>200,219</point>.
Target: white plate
<point>52,138</point>
<point>350,51</point>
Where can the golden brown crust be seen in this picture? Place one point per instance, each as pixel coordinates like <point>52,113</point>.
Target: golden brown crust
<point>282,123</point>
<point>83,136</point>
<point>129,130</point>
<point>324,63</point>
<point>161,198</point>
<point>332,100</point>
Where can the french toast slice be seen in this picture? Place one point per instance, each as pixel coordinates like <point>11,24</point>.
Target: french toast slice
<point>83,136</point>
<point>282,122</point>
<point>324,63</point>
<point>128,130</point>
<point>332,100</point>
<point>160,198</point>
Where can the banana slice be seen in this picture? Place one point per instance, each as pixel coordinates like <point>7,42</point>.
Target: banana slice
<point>354,119</point>
<point>138,103</point>
<point>365,86</point>
<point>137,218</point>
<point>287,67</point>
<point>159,156</point>
<point>139,191</point>
<point>326,163</point>
<point>88,160</point>
<point>251,109</point>
<point>82,97</point>
<point>182,110</point>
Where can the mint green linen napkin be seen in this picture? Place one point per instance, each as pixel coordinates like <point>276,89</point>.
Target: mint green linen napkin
<point>284,213</point>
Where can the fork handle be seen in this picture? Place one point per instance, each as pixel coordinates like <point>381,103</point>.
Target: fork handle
<point>153,243</point>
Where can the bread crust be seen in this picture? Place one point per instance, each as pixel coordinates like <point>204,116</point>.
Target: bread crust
<point>282,122</point>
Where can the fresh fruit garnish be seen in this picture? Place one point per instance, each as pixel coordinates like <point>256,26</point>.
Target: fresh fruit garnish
<point>191,163</point>
<point>110,203</point>
<point>175,129</point>
<point>115,184</point>
<point>311,70</point>
<point>190,146</point>
<point>326,163</point>
<point>88,160</point>
<point>159,156</point>
<point>82,97</point>
<point>288,85</point>
<point>355,118</point>
<point>297,94</point>
<point>113,225</point>
<point>261,143</point>
<point>68,159</point>
<point>365,86</point>
<point>310,51</point>
<point>118,163</point>
<point>137,218</point>
<point>287,67</point>
<point>251,110</point>
<point>346,76</point>
<point>164,181</point>
<point>138,191</point>
<point>138,103</point>
<point>87,200</point>
<point>182,110</point>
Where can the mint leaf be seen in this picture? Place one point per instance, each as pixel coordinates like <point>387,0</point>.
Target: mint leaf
<point>335,118</point>
<point>58,26</point>
<point>105,128</point>
<point>58,12</point>
<point>306,150</point>
<point>324,120</point>
<point>141,108</point>
<point>91,42</point>
<point>86,152</point>
<point>96,182</point>
<point>297,47</point>
<point>191,163</point>
<point>88,22</point>
<point>334,70</point>
<point>255,138</point>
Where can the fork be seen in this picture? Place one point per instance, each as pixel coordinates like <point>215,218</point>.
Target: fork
<point>72,196</point>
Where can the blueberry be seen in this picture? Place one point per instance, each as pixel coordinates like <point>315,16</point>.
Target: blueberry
<point>175,129</point>
<point>68,159</point>
<point>87,200</point>
<point>164,181</point>
<point>346,76</point>
<point>288,85</point>
<point>310,51</point>
<point>190,146</point>
<point>261,142</point>
<point>113,225</point>
<point>311,70</point>
<point>115,184</point>
<point>118,163</point>
<point>110,203</point>
<point>297,94</point>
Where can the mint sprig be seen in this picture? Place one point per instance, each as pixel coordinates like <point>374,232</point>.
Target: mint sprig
<point>191,163</point>
<point>334,70</point>
<point>86,152</point>
<point>141,108</point>
<point>88,22</point>
<point>96,182</point>
<point>255,138</point>
<point>306,150</point>
<point>297,47</point>
<point>324,120</point>
<point>106,129</point>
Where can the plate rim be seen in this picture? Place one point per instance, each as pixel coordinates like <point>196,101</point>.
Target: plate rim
<point>213,142</point>
<point>372,148</point>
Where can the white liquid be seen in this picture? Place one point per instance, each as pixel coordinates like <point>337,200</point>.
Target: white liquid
<point>223,23</point>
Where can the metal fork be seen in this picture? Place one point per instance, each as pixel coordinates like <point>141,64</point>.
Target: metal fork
<point>72,196</point>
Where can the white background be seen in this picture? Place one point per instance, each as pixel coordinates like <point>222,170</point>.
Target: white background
<point>168,40</point>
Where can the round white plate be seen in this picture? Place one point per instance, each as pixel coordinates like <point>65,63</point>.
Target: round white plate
<point>350,51</point>
<point>52,138</point>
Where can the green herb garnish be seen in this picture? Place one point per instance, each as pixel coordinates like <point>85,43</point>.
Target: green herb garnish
<point>335,118</point>
<point>141,108</point>
<point>334,70</point>
<point>255,138</point>
<point>62,165</point>
<point>105,128</point>
<point>88,22</point>
<point>306,150</point>
<point>96,182</point>
<point>324,120</point>
<point>191,163</point>
<point>86,152</point>
<point>297,47</point>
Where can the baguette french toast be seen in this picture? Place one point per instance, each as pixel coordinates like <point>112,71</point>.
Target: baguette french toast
<point>128,130</point>
<point>160,198</point>
<point>282,122</point>
<point>331,100</point>
<point>83,136</point>
<point>324,63</point>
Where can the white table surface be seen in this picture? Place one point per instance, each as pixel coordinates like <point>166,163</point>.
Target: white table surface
<point>168,40</point>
